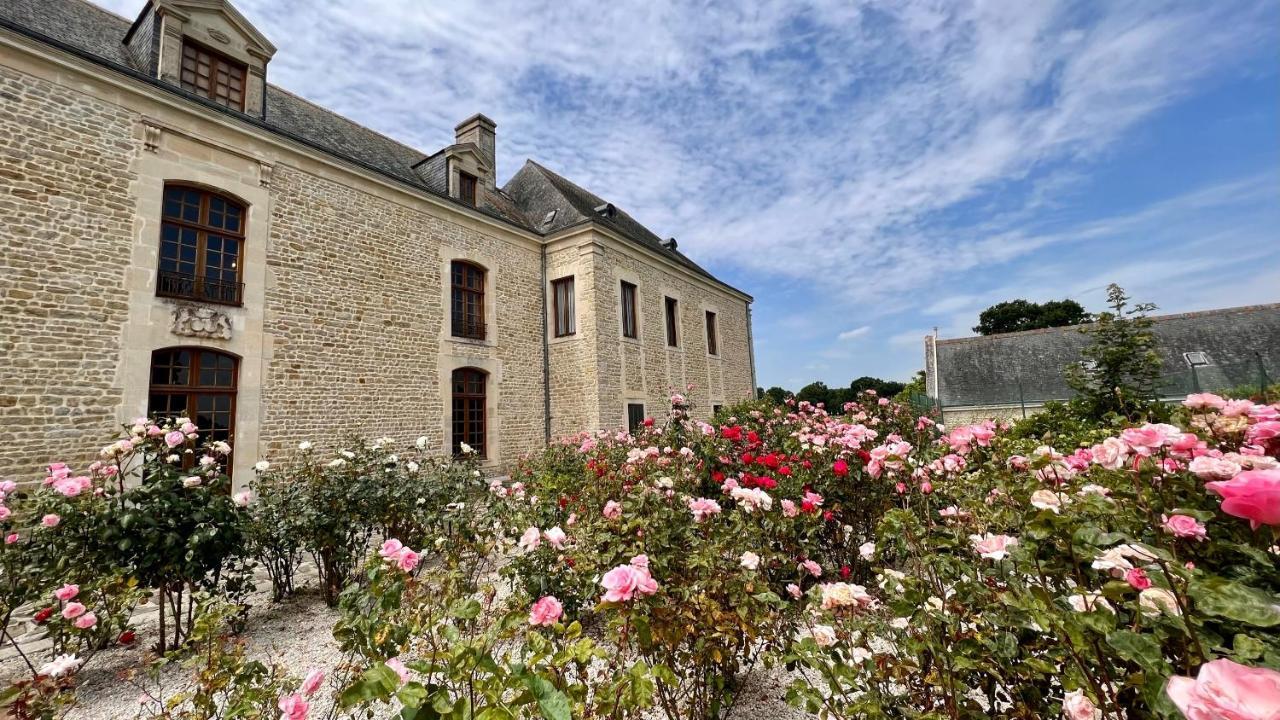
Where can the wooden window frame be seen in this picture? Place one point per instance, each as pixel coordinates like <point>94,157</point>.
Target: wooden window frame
<point>671,315</point>
<point>216,61</point>
<point>630,427</point>
<point>467,184</point>
<point>198,286</point>
<point>564,322</point>
<point>481,447</point>
<point>713,330</point>
<point>629,306</point>
<point>193,389</point>
<point>461,323</point>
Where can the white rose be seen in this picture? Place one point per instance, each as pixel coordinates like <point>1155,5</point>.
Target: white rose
<point>465,448</point>
<point>190,482</point>
<point>413,466</point>
<point>305,445</point>
<point>867,550</point>
<point>1046,500</point>
<point>750,560</point>
<point>242,498</point>
<point>261,466</point>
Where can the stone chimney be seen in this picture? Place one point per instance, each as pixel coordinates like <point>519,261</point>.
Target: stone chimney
<point>480,131</point>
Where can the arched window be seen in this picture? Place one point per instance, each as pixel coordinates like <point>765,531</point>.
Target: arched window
<point>201,246</point>
<point>468,409</point>
<point>468,300</point>
<point>197,383</point>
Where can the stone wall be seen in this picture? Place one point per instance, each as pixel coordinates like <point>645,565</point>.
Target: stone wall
<point>355,306</point>
<point>65,221</point>
<point>647,370</point>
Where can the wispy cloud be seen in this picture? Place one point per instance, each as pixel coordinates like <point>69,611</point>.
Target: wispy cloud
<point>854,333</point>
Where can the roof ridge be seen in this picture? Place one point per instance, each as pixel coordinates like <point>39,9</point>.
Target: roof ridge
<point>346,119</point>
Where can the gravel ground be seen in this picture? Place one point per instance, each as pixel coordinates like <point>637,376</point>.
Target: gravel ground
<point>297,634</point>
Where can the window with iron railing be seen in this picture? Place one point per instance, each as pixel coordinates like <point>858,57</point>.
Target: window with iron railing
<point>201,246</point>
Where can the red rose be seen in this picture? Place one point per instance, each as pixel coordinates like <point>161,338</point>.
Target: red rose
<point>748,458</point>
<point>840,468</point>
<point>43,615</point>
<point>648,422</point>
<point>828,515</point>
<point>732,432</point>
<point>127,637</point>
<point>785,471</point>
<point>845,572</point>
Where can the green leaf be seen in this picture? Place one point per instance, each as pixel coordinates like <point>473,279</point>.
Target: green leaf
<point>465,609</point>
<point>551,702</point>
<point>412,694</point>
<point>1138,648</point>
<point>1222,598</point>
<point>377,683</point>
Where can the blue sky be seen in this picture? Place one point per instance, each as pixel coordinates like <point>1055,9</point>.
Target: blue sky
<point>867,170</point>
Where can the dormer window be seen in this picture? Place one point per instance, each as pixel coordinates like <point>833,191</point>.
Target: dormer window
<point>212,75</point>
<point>467,188</point>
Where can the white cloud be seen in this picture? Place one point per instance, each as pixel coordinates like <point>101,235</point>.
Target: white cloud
<point>854,333</point>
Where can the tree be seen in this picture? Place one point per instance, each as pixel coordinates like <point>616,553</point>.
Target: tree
<point>883,388</point>
<point>1016,315</point>
<point>915,388</point>
<point>815,392</point>
<point>1121,369</point>
<point>776,395</point>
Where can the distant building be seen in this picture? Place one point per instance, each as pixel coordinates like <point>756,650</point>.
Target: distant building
<point>1014,374</point>
<point>179,236</point>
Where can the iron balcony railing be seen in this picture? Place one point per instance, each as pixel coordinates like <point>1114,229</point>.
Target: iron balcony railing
<point>468,327</point>
<point>191,287</point>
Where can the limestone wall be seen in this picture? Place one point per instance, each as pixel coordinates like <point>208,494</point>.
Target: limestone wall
<point>65,222</point>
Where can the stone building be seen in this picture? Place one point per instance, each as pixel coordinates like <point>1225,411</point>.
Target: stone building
<point>1012,375</point>
<point>179,235</point>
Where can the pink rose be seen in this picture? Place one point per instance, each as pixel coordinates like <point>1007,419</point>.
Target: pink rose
<point>1137,578</point>
<point>11,538</point>
<point>50,520</point>
<point>789,509</point>
<point>1077,706</point>
<point>793,590</point>
<point>293,707</point>
<point>531,539</point>
<point>1183,526</point>
<point>5,512</point>
<point>315,679</point>
<point>1110,453</point>
<point>812,568</point>
<point>992,547</point>
<point>1211,468</point>
<point>407,560</point>
<point>86,621</point>
<point>703,508</point>
<point>72,610</point>
<point>399,668</point>
<point>1253,495</point>
<point>391,548</point>
<point>546,611</point>
<point>1204,401</point>
<point>625,581</point>
<point>1225,690</point>
<point>175,438</point>
<point>1263,432</point>
<point>66,592</point>
<point>612,510</point>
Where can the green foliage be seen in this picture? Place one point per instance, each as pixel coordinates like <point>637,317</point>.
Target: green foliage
<point>1120,368</point>
<point>1018,315</point>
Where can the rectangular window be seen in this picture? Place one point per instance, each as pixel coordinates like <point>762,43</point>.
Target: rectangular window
<point>712,346</point>
<point>673,335</point>
<point>715,410</point>
<point>468,300</point>
<point>635,416</point>
<point>629,326</point>
<point>562,306</point>
<point>467,188</point>
<point>212,75</point>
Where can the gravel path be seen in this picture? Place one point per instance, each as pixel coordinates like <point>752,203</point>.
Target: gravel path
<point>297,634</point>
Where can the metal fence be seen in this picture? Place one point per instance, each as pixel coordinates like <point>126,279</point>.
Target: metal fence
<point>1250,378</point>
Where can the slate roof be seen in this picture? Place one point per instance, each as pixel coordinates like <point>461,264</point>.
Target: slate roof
<point>539,191</point>
<point>82,27</point>
<point>985,371</point>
